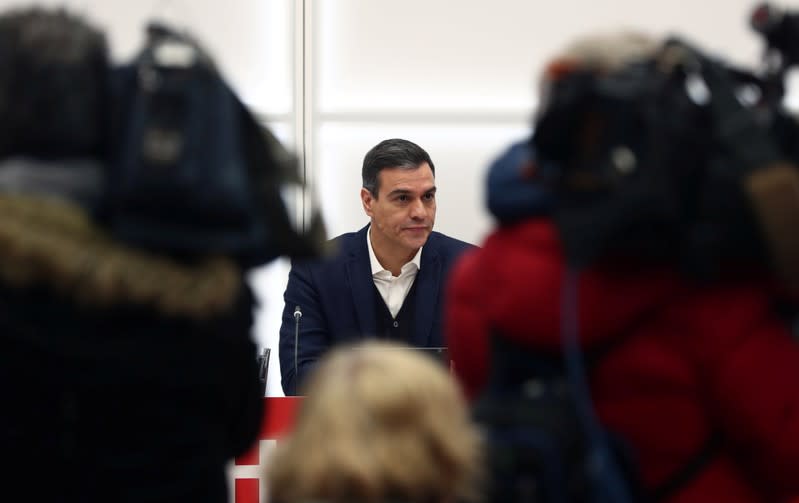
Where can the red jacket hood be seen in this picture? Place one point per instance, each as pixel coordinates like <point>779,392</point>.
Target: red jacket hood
<point>521,274</point>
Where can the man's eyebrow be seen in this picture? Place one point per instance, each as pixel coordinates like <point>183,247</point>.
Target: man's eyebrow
<point>399,192</point>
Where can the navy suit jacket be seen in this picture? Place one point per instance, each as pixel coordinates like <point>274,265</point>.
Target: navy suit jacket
<point>336,296</point>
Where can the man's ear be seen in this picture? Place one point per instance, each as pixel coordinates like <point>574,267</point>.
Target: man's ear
<point>366,199</point>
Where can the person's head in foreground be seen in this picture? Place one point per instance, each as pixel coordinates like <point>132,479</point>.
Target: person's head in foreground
<point>379,423</point>
<point>53,90</point>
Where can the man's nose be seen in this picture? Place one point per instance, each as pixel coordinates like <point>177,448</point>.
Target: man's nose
<point>417,209</point>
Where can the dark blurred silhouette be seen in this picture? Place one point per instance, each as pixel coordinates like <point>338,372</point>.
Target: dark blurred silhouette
<point>644,174</point>
<point>127,374</point>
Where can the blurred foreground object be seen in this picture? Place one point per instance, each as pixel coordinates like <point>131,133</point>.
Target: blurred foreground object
<point>127,367</point>
<point>192,171</point>
<point>645,296</point>
<point>379,422</point>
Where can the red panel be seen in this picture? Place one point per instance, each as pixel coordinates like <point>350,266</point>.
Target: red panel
<point>279,413</point>
<point>246,491</point>
<point>251,457</point>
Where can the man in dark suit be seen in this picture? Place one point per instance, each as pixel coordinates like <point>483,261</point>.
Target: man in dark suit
<point>384,281</point>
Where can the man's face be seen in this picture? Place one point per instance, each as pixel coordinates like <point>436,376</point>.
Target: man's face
<point>405,209</point>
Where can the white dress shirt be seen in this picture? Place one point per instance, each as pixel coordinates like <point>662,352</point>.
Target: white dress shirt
<point>393,289</point>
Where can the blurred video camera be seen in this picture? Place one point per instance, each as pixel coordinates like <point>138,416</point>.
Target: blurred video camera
<point>679,157</point>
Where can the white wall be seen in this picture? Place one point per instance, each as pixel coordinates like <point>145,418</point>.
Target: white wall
<point>334,77</point>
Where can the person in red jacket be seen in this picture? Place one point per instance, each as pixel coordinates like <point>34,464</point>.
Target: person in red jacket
<point>693,348</point>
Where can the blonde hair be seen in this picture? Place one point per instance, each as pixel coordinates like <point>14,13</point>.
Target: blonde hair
<point>379,421</point>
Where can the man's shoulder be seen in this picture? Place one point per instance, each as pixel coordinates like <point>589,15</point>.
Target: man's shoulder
<point>337,250</point>
<point>447,245</point>
<point>346,245</point>
<point>347,238</point>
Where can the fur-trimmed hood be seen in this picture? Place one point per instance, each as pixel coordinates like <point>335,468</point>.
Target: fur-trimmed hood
<point>51,242</point>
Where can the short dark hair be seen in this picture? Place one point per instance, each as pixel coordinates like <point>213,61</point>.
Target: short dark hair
<point>53,84</point>
<point>393,153</point>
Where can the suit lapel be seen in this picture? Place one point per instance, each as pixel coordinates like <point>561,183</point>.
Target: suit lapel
<point>429,279</point>
<point>359,274</point>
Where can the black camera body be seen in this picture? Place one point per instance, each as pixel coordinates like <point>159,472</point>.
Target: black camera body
<point>655,165</point>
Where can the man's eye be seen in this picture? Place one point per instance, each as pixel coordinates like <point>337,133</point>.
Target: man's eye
<point>402,198</point>
<point>429,197</point>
